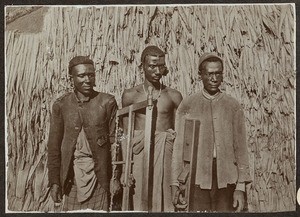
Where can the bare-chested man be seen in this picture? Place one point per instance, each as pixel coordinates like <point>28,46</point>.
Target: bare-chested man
<point>166,101</point>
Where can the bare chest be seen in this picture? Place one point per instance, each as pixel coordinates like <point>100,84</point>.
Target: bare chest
<point>163,102</point>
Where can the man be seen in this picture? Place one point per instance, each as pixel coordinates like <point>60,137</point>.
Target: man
<point>222,161</point>
<point>166,101</point>
<point>82,129</point>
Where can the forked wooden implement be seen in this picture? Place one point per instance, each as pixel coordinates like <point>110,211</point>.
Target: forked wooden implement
<point>190,149</point>
<point>148,156</point>
<point>128,161</point>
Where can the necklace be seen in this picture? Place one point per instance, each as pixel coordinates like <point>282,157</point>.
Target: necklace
<point>160,87</point>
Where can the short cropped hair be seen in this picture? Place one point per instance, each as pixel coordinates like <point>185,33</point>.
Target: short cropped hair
<point>79,60</point>
<point>151,51</point>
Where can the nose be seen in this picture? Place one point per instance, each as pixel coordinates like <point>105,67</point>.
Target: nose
<point>86,78</point>
<point>157,71</point>
<point>213,77</point>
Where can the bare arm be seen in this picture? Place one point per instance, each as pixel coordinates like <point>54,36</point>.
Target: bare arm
<point>126,101</point>
<point>177,98</point>
<point>112,108</point>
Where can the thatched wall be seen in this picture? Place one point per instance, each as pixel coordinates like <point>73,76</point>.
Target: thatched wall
<point>257,43</point>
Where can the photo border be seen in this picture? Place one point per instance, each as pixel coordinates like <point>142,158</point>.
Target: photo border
<point>141,2</point>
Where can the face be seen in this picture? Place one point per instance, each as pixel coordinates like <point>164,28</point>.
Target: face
<point>212,76</point>
<point>84,78</point>
<point>154,68</point>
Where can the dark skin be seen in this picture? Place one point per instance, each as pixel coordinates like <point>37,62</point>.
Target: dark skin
<point>212,77</point>
<point>83,77</point>
<point>167,103</point>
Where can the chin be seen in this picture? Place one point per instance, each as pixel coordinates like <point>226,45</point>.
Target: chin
<point>156,81</point>
<point>212,91</point>
<point>86,92</point>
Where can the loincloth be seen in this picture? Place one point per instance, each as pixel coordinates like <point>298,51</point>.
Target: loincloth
<point>163,147</point>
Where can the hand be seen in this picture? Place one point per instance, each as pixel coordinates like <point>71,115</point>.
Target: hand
<point>55,193</point>
<point>115,186</point>
<point>130,180</point>
<point>177,199</point>
<point>238,200</point>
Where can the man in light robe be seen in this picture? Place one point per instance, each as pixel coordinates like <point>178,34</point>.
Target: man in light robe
<point>222,169</point>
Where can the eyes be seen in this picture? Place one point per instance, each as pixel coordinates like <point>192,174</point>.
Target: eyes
<point>211,74</point>
<point>160,67</point>
<point>90,75</point>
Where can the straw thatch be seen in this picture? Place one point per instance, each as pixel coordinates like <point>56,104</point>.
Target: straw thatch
<point>256,42</point>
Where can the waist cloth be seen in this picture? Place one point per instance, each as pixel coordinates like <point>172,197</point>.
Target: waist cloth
<point>85,192</point>
<point>163,147</point>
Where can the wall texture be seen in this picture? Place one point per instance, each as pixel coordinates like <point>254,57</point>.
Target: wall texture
<point>256,42</point>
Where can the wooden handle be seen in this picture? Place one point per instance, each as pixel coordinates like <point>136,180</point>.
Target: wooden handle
<point>150,96</point>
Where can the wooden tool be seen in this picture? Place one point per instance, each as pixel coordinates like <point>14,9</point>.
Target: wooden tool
<point>190,149</point>
<point>128,161</point>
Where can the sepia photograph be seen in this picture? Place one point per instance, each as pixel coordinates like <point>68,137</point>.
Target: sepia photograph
<point>178,108</point>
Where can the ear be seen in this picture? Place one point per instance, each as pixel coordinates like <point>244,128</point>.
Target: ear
<point>140,66</point>
<point>199,74</point>
<point>199,78</point>
<point>70,77</point>
<point>165,72</point>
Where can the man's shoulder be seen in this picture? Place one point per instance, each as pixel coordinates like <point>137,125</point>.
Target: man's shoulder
<point>172,91</point>
<point>130,92</point>
<point>63,97</point>
<point>230,99</point>
<point>174,95</point>
<point>104,97</point>
<point>191,98</point>
<point>134,89</point>
<point>189,102</point>
<point>132,95</point>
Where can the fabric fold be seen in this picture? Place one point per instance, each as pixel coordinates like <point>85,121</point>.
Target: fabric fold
<point>85,177</point>
<point>163,146</point>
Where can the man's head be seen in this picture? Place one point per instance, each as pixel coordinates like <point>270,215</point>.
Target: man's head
<point>153,63</point>
<point>82,71</point>
<point>211,72</point>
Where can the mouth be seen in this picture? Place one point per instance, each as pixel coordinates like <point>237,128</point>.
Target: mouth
<point>87,87</point>
<point>157,77</point>
<point>213,86</point>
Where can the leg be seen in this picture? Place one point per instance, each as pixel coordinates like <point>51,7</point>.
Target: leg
<point>97,201</point>
<point>225,199</point>
<point>202,201</point>
<point>71,200</point>
<point>214,188</point>
<point>222,198</point>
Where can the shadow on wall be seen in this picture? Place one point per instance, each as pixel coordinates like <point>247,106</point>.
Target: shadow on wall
<point>25,20</point>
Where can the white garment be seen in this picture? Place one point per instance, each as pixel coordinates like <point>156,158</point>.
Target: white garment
<point>85,177</point>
